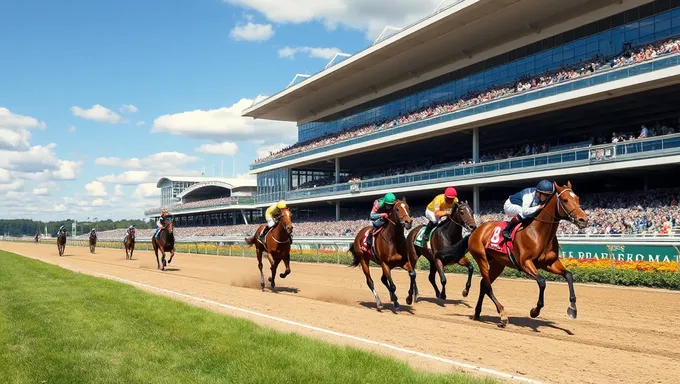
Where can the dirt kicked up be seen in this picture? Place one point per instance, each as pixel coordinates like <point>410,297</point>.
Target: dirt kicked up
<point>622,335</point>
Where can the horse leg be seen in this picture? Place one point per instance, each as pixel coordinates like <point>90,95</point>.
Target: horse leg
<point>413,289</point>
<point>530,270</point>
<point>172,254</point>
<point>274,264</point>
<point>466,263</point>
<point>433,271</point>
<point>369,282</point>
<point>442,277</point>
<point>158,263</point>
<point>558,268</point>
<point>389,283</point>
<point>286,262</point>
<point>259,266</point>
<point>495,270</point>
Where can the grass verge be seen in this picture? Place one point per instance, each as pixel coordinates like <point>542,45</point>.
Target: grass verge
<point>57,326</point>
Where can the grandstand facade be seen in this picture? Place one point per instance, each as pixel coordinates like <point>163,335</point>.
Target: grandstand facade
<point>488,96</point>
<point>206,201</point>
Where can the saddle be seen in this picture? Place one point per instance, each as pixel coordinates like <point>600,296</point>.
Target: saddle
<point>498,243</point>
<point>364,243</point>
<point>420,237</point>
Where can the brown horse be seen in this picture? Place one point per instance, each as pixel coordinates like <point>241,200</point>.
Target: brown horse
<point>129,243</point>
<point>165,243</point>
<point>93,241</point>
<point>533,247</point>
<point>445,235</point>
<point>61,243</point>
<point>277,246</point>
<point>391,251</point>
<point>37,236</point>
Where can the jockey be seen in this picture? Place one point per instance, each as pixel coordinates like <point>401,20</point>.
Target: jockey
<point>439,210</point>
<point>272,215</point>
<point>160,224</point>
<point>524,204</point>
<point>61,229</point>
<point>93,231</point>
<point>127,231</point>
<point>380,212</point>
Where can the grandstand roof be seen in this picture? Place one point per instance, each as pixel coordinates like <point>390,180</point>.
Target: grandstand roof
<point>231,182</point>
<point>415,54</point>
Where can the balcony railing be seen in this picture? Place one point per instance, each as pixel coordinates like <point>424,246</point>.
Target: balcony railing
<point>180,208</point>
<point>597,78</point>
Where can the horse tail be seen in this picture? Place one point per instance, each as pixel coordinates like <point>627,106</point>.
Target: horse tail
<point>356,260</point>
<point>250,240</point>
<point>453,253</point>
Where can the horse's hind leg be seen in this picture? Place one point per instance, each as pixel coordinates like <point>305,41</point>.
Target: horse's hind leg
<point>369,282</point>
<point>439,264</point>
<point>286,262</point>
<point>495,270</point>
<point>466,263</point>
<point>389,283</point>
<point>558,268</point>
<point>530,270</point>
<point>433,272</point>
<point>259,266</point>
<point>275,265</point>
<point>413,288</point>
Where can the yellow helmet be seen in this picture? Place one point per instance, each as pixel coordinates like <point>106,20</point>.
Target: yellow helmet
<point>281,204</point>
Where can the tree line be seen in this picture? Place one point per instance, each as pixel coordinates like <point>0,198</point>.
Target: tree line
<point>19,227</point>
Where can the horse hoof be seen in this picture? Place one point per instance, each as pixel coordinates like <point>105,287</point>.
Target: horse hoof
<point>379,306</point>
<point>396,307</point>
<point>504,322</point>
<point>534,312</point>
<point>409,300</point>
<point>282,275</point>
<point>465,292</point>
<point>442,295</point>
<point>269,279</point>
<point>571,312</point>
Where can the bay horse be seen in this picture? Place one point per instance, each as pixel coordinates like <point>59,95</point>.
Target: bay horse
<point>93,241</point>
<point>444,235</point>
<point>164,243</point>
<point>129,243</point>
<point>37,236</point>
<point>276,245</point>
<point>391,251</point>
<point>61,243</point>
<point>533,247</point>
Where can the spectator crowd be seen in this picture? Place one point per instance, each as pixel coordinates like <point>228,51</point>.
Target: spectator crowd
<point>524,84</point>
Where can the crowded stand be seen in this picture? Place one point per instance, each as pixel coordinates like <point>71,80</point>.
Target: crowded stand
<point>651,212</point>
<point>200,204</point>
<point>630,56</point>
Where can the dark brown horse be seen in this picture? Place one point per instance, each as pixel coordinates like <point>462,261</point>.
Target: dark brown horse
<point>37,236</point>
<point>93,241</point>
<point>391,251</point>
<point>445,235</point>
<point>129,243</point>
<point>276,245</point>
<point>61,243</point>
<point>165,243</point>
<point>534,247</point>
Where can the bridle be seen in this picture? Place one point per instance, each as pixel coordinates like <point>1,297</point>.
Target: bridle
<point>560,206</point>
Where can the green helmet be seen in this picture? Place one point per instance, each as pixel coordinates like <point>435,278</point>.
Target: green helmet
<point>390,198</point>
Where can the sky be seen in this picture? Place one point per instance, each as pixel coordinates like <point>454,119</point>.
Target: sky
<point>100,99</point>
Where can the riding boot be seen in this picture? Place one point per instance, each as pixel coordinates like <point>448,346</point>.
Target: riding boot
<point>428,229</point>
<point>369,239</point>
<point>264,234</point>
<point>507,232</point>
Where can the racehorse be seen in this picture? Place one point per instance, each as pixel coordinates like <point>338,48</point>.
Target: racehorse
<point>389,251</point>
<point>165,243</point>
<point>277,246</point>
<point>37,237</point>
<point>61,243</point>
<point>93,241</point>
<point>129,243</point>
<point>534,246</point>
<point>447,234</point>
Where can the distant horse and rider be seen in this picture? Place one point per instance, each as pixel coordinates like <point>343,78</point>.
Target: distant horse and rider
<point>528,247</point>
<point>164,239</point>
<point>274,239</point>
<point>93,240</point>
<point>384,244</point>
<point>129,242</point>
<point>61,240</point>
<point>449,218</point>
<point>37,236</point>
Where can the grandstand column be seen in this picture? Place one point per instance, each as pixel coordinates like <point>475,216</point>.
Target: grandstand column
<point>337,210</point>
<point>475,199</point>
<point>475,145</point>
<point>245,219</point>
<point>337,172</point>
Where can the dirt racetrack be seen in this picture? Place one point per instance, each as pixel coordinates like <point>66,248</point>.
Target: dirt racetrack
<point>622,335</point>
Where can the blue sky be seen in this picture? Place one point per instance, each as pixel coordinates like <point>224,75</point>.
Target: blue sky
<point>98,99</point>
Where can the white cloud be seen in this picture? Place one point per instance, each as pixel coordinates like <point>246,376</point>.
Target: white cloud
<point>369,16</point>
<point>41,191</point>
<point>224,124</point>
<point>128,178</point>
<point>5,176</point>
<point>98,202</point>
<point>59,208</point>
<point>13,186</point>
<point>146,190</point>
<point>140,123</point>
<point>15,130</point>
<point>225,149</point>
<point>128,108</point>
<point>71,128</point>
<point>36,159</point>
<point>148,169</point>
<point>264,150</point>
<point>96,189</point>
<point>96,113</point>
<point>252,32</point>
<point>118,191</point>
<point>318,53</point>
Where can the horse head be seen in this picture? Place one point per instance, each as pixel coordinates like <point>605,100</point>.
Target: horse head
<point>169,227</point>
<point>133,233</point>
<point>463,216</point>
<point>287,220</point>
<point>569,205</point>
<point>402,213</point>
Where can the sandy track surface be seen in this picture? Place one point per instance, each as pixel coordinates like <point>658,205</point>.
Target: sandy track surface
<point>622,335</point>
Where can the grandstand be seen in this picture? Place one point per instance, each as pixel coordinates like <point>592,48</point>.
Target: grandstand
<point>585,91</point>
